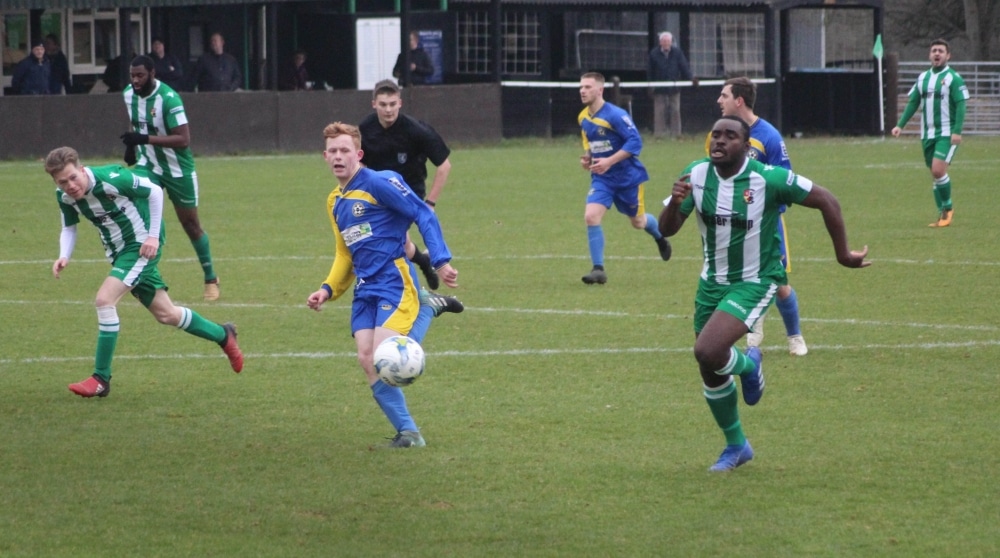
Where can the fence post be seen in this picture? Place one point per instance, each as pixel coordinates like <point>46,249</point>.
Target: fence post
<point>891,91</point>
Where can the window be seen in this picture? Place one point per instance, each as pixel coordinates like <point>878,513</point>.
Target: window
<point>830,40</point>
<point>94,39</point>
<point>521,43</point>
<point>727,44</point>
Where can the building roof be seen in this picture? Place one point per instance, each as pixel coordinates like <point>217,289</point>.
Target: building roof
<point>692,5</point>
<point>111,4</point>
<point>661,4</point>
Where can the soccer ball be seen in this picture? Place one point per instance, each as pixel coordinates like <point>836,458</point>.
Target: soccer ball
<point>399,360</point>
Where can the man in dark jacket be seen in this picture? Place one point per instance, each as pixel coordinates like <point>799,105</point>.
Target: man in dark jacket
<point>59,79</point>
<point>667,63</point>
<point>31,75</point>
<point>421,67</point>
<point>217,70</point>
<point>167,66</point>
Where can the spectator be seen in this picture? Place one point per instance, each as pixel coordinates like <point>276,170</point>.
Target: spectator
<point>217,70</point>
<point>168,67</point>
<point>421,67</point>
<point>59,79</point>
<point>31,75</point>
<point>667,63</point>
<point>296,77</point>
<point>116,73</point>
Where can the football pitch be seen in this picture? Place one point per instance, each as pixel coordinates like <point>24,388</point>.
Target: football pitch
<point>561,419</point>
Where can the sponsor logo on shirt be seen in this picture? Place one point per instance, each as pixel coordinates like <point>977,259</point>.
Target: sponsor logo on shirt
<point>735,221</point>
<point>356,233</point>
<point>602,146</point>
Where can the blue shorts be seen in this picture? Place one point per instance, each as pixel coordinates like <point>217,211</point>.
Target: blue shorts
<point>628,200</point>
<point>389,300</point>
<point>786,259</point>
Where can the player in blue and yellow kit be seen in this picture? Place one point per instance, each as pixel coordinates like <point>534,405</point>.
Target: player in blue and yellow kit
<point>370,212</point>
<point>738,97</point>
<point>611,145</point>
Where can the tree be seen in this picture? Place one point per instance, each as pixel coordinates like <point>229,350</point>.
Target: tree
<point>920,21</point>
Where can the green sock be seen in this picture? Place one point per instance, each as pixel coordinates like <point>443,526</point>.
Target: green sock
<point>722,401</point>
<point>738,364</point>
<point>944,191</point>
<point>204,252</point>
<point>937,198</point>
<point>106,341</point>
<point>193,323</point>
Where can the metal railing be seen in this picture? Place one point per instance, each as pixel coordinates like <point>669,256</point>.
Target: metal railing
<point>982,110</point>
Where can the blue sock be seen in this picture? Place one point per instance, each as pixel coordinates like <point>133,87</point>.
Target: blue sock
<point>595,238</point>
<point>422,323</point>
<point>393,404</point>
<point>652,226</point>
<point>789,309</point>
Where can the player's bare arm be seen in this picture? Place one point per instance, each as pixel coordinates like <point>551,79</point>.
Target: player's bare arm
<point>671,219</point>
<point>440,178</point>
<point>820,198</point>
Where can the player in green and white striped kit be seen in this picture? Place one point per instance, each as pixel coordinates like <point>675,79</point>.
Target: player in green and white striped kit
<point>126,209</point>
<point>737,201</point>
<point>941,93</point>
<point>158,145</point>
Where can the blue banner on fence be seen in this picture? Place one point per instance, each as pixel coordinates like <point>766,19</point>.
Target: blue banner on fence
<point>431,43</point>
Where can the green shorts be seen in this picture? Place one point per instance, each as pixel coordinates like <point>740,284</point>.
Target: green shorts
<point>183,191</point>
<point>939,148</point>
<point>746,301</point>
<point>138,273</point>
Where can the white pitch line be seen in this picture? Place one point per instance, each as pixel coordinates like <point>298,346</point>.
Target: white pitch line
<point>529,257</point>
<point>508,353</point>
<point>564,312</point>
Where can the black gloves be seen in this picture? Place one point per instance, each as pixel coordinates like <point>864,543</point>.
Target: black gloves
<point>134,138</point>
<point>130,158</point>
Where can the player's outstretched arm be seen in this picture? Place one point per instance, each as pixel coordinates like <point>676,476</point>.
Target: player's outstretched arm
<point>671,219</point>
<point>822,199</point>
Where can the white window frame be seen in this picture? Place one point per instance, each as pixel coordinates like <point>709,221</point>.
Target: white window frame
<point>89,17</point>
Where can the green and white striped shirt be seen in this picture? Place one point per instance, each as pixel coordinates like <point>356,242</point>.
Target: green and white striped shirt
<point>156,115</point>
<point>939,94</point>
<point>118,204</point>
<point>738,219</point>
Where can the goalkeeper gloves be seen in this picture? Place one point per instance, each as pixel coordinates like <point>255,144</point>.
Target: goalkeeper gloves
<point>134,138</point>
<point>130,158</point>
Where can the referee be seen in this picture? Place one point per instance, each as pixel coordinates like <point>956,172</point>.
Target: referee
<point>398,142</point>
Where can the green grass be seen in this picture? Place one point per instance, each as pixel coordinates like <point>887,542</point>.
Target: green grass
<point>561,419</point>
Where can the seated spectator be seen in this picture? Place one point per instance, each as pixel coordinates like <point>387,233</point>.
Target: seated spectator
<point>296,77</point>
